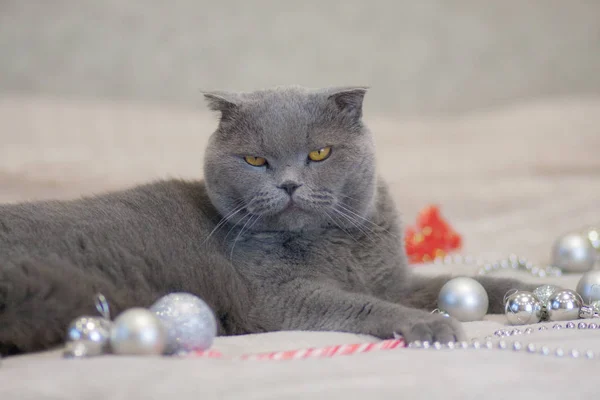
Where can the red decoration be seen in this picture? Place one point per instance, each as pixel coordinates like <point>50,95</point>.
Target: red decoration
<point>431,237</point>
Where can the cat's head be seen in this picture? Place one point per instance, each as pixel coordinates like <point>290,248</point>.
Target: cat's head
<point>290,159</point>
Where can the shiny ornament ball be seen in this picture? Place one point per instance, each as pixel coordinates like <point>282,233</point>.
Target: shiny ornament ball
<point>92,329</point>
<point>564,305</point>
<point>138,331</point>
<point>593,235</point>
<point>190,323</point>
<point>464,299</point>
<point>589,286</point>
<point>83,348</point>
<point>573,252</point>
<point>523,308</point>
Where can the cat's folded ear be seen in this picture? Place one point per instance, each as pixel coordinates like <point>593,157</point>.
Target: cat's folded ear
<point>223,102</point>
<point>349,100</point>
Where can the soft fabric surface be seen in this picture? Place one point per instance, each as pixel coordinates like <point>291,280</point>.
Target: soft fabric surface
<point>509,180</point>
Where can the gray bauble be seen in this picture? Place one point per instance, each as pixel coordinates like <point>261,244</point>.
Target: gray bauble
<point>589,286</point>
<point>464,299</point>
<point>138,331</point>
<point>573,252</point>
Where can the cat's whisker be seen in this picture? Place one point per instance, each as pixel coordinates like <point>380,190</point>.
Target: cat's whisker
<point>353,216</point>
<point>255,221</point>
<point>353,212</point>
<point>224,220</point>
<point>340,227</point>
<point>236,224</point>
<point>347,197</point>
<point>356,224</point>
<point>241,232</point>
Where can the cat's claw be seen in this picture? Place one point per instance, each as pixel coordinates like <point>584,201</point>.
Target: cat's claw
<point>432,328</point>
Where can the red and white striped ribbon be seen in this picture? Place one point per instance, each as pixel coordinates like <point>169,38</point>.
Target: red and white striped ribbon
<point>323,352</point>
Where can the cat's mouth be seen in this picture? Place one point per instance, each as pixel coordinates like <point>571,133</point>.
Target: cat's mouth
<point>291,206</point>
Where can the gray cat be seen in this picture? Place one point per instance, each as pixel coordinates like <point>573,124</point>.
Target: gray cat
<point>291,230</point>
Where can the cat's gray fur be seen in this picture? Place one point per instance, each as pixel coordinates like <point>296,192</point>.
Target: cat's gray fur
<point>334,260</point>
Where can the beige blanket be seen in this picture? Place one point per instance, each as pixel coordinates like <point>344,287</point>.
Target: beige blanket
<point>509,180</point>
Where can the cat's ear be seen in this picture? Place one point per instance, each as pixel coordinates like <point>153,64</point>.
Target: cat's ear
<point>349,100</point>
<point>223,102</point>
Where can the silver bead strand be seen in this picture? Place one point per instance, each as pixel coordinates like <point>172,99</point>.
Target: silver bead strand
<point>516,345</point>
<point>513,262</point>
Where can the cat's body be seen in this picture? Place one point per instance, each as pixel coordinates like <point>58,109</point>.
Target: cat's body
<point>292,243</point>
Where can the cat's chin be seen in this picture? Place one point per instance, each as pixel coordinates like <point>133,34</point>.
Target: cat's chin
<point>292,219</point>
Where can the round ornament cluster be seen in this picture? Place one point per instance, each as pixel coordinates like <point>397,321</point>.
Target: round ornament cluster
<point>177,323</point>
<point>466,300</point>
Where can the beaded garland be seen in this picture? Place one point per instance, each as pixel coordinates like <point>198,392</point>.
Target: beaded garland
<point>512,262</point>
<point>489,343</point>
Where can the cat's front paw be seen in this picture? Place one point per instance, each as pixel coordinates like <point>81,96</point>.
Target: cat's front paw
<point>431,328</point>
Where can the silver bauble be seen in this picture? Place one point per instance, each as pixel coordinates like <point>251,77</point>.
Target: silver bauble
<point>593,235</point>
<point>464,299</point>
<point>190,323</point>
<point>589,286</point>
<point>138,331</point>
<point>543,293</point>
<point>83,348</point>
<point>564,305</point>
<point>92,329</point>
<point>573,252</point>
<point>523,308</point>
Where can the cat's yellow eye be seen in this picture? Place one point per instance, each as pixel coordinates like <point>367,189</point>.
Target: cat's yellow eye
<point>320,155</point>
<point>255,161</point>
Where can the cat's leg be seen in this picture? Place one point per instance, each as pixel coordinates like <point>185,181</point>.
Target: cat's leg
<point>38,300</point>
<point>422,292</point>
<point>305,305</point>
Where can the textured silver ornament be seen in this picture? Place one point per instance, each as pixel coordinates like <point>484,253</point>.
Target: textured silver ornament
<point>564,305</point>
<point>138,331</point>
<point>190,323</point>
<point>573,252</point>
<point>544,292</point>
<point>588,286</point>
<point>595,306</point>
<point>464,299</point>
<point>523,308</point>
<point>90,329</point>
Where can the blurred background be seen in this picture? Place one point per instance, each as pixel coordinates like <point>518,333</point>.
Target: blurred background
<point>489,108</point>
<point>430,56</point>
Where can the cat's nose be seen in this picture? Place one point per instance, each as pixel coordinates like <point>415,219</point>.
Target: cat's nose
<point>289,186</point>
